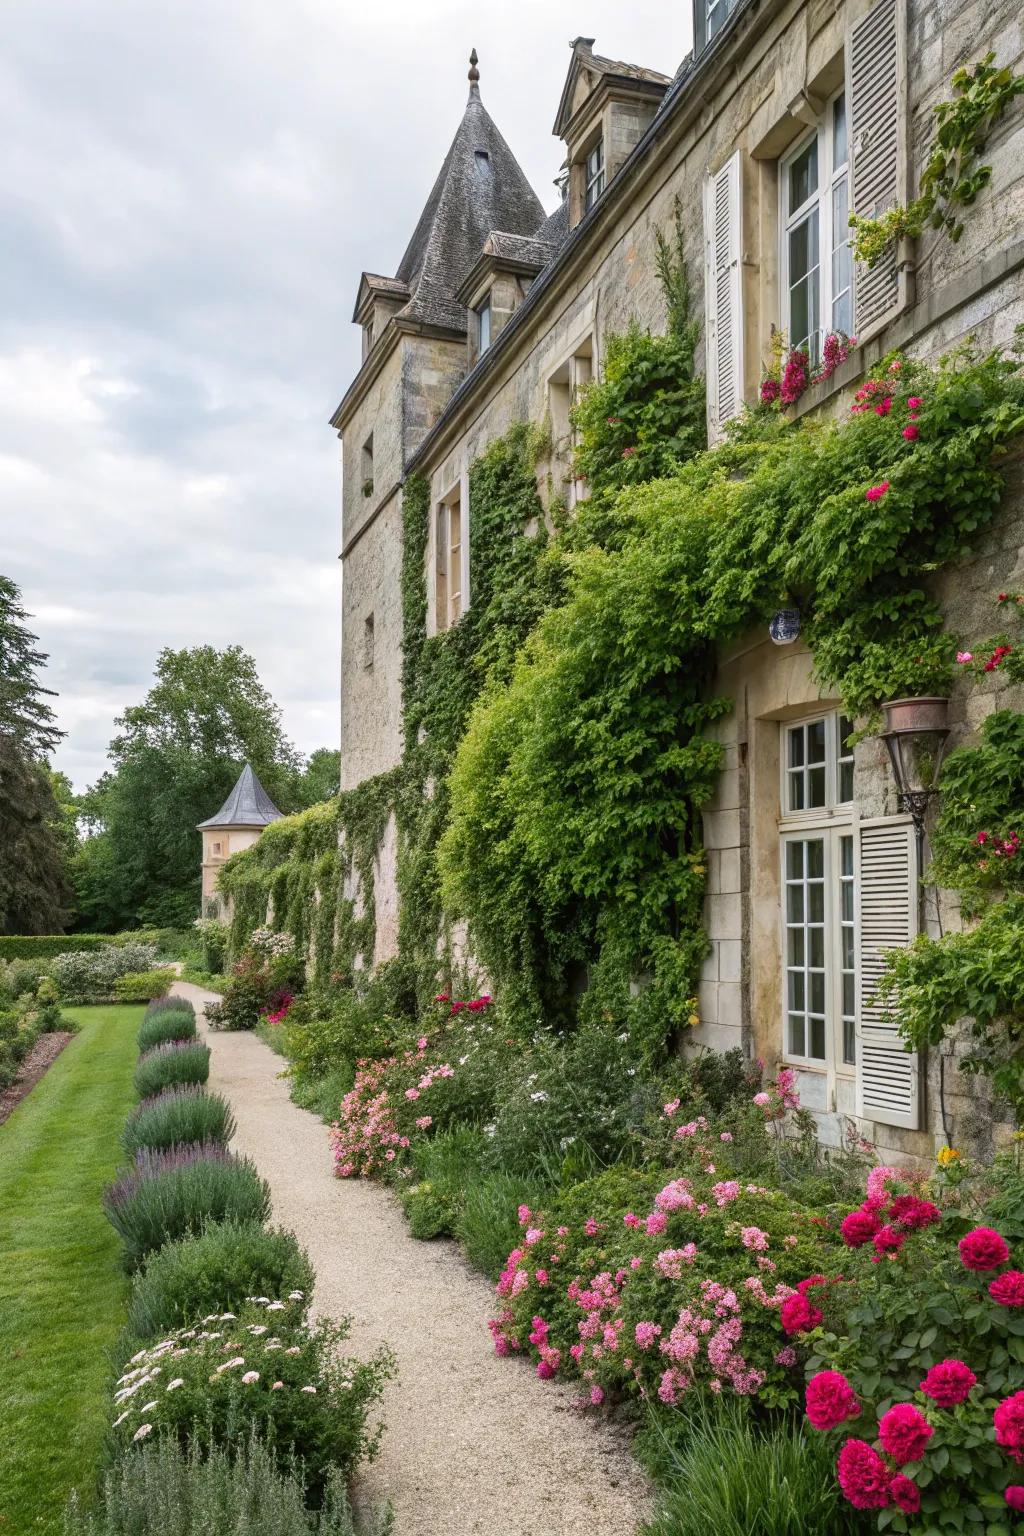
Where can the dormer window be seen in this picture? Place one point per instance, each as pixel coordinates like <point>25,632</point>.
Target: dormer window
<point>594,175</point>
<point>483,326</point>
<point>709,18</point>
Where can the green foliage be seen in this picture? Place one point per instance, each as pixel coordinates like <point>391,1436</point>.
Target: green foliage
<point>34,832</point>
<point>952,177</point>
<point>887,1325</point>
<point>143,986</point>
<point>576,792</point>
<point>165,1490</point>
<point>168,1024</point>
<point>214,1406</point>
<point>215,1271</point>
<point>977,976</point>
<point>980,810</point>
<point>163,1066</point>
<point>725,1473</point>
<point>61,1292</point>
<point>172,1194</point>
<point>176,1117</point>
<point>175,759</point>
<point>645,416</point>
<point>44,946</point>
<point>90,975</point>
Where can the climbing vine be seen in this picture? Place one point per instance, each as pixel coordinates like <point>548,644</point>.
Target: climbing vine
<point>952,177</point>
<point>574,836</point>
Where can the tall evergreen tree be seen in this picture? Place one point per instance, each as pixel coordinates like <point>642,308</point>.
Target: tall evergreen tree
<point>33,865</point>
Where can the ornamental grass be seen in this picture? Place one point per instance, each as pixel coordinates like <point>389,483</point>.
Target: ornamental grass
<point>170,1024</point>
<point>178,1116</point>
<point>165,1065</point>
<point>169,1194</point>
<point>216,1271</point>
<point>164,1490</point>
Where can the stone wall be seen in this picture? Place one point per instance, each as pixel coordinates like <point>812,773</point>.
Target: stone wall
<point>747,95</point>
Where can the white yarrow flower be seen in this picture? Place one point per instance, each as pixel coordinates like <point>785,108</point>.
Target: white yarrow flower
<point>308,1389</point>
<point>142,1431</point>
<point>250,1377</point>
<point>229,1365</point>
<point>294,1350</point>
<point>295,1296</point>
<point>122,1417</point>
<point>179,1381</point>
<point>148,1407</point>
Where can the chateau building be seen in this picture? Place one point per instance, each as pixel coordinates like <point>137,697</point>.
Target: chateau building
<point>786,115</point>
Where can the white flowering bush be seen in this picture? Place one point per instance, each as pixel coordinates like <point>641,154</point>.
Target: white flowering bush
<point>88,975</point>
<point>271,945</point>
<point>265,1369</point>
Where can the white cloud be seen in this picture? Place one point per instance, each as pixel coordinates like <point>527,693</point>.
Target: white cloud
<point>188,196</point>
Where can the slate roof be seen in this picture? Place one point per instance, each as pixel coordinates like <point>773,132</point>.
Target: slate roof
<point>248,805</point>
<point>555,229</point>
<point>481,187</point>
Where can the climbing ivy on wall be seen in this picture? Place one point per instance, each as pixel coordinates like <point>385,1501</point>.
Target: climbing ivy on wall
<point>576,790</point>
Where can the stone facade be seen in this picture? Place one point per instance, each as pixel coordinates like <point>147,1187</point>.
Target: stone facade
<point>716,137</point>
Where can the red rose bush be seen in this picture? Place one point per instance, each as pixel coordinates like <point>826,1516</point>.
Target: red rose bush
<point>916,1363</point>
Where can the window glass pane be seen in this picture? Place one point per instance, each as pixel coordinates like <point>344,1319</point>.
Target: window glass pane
<point>796,747</point>
<point>845,732</point>
<point>816,786</point>
<point>817,1047</point>
<point>796,1034</point>
<point>849,1042</point>
<point>845,783</point>
<point>796,991</point>
<point>816,902</point>
<point>846,908</point>
<point>817,979</point>
<point>795,946</point>
<point>816,742</point>
<point>848,990</point>
<point>796,791</point>
<point>839,152</point>
<point>803,175</point>
<point>816,858</point>
<point>816,941</point>
<point>794,860</point>
<point>794,903</point>
<point>846,855</point>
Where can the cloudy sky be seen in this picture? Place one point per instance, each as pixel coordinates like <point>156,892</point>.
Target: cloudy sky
<point>188,194</point>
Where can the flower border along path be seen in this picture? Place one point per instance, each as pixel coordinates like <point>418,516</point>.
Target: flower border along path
<point>61,1282</point>
<point>469,1449</point>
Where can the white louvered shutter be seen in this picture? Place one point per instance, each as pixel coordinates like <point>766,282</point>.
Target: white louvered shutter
<point>888,1076</point>
<point>878,147</point>
<point>722,232</point>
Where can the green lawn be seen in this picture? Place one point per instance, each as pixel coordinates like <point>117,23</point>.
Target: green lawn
<point>61,1285</point>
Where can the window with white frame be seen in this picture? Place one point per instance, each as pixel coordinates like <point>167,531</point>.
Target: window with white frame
<point>565,385</point>
<point>483,325</point>
<point>448,586</point>
<point>817,262</point>
<point>593,177</point>
<point>818,877</point>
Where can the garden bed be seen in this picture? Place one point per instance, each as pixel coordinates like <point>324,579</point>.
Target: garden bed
<point>36,1064</point>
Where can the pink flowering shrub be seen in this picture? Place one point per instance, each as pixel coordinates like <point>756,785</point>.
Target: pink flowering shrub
<point>443,1078</point>
<point>917,1360</point>
<point>632,1305</point>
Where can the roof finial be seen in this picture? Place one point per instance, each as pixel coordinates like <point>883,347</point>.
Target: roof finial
<point>474,74</point>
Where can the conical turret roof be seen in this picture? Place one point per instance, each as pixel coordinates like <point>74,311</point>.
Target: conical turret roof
<point>481,187</point>
<point>248,805</point>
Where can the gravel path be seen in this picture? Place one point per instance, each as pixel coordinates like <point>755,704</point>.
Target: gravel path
<point>475,1446</point>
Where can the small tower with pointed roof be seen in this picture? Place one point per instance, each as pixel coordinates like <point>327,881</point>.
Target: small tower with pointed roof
<point>421,332</point>
<point>237,825</point>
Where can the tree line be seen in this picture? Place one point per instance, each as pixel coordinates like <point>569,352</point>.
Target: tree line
<point>125,853</point>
